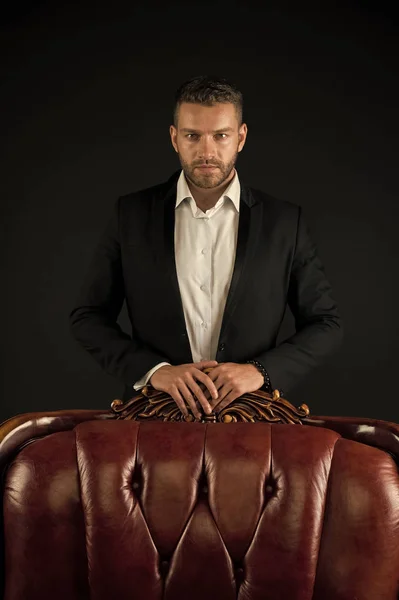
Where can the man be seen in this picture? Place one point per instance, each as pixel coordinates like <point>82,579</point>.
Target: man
<point>207,265</point>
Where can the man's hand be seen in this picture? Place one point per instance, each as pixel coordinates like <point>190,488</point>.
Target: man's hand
<point>180,382</point>
<point>232,380</point>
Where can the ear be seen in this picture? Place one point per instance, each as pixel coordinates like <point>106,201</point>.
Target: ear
<point>173,136</point>
<point>242,136</point>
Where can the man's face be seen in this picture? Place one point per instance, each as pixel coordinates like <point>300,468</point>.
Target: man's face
<point>208,135</point>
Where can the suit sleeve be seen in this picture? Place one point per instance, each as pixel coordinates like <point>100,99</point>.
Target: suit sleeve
<point>319,330</point>
<point>93,320</point>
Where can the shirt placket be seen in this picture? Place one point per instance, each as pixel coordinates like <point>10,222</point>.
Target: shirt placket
<point>205,260</point>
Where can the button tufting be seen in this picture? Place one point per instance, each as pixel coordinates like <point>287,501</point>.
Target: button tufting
<point>269,488</point>
<point>239,573</point>
<point>164,567</point>
<point>135,485</point>
<point>205,489</point>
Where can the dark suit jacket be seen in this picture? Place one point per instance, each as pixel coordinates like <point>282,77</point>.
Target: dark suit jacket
<point>276,263</point>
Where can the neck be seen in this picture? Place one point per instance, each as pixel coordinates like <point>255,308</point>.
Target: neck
<point>206,199</point>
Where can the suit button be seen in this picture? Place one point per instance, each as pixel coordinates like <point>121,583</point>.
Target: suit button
<point>222,346</point>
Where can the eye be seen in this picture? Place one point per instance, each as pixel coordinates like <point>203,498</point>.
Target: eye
<point>195,135</point>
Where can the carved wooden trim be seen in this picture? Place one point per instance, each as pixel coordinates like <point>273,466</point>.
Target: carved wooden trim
<point>256,406</point>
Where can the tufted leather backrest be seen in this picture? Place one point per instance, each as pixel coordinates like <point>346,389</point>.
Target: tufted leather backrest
<point>150,511</point>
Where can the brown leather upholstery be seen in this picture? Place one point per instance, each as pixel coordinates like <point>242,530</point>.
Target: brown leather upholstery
<point>96,508</point>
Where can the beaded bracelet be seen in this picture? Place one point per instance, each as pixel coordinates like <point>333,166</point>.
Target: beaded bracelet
<point>267,386</point>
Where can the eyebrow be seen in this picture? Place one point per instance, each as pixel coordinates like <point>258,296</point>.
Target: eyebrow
<point>185,129</point>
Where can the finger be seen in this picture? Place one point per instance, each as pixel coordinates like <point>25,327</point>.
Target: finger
<point>209,384</point>
<point>203,364</point>
<point>179,401</point>
<point>203,389</point>
<point>223,392</point>
<point>207,394</point>
<point>195,388</point>
<point>215,373</point>
<point>190,400</point>
<point>212,401</point>
<point>226,401</point>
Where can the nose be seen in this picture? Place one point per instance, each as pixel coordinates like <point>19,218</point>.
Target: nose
<point>207,150</point>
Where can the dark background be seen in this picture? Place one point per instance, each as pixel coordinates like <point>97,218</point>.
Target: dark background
<point>86,102</point>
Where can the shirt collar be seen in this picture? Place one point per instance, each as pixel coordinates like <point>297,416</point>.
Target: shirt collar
<point>233,191</point>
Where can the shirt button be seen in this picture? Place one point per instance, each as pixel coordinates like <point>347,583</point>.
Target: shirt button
<point>203,251</point>
<point>222,346</point>
<point>203,324</point>
<point>203,287</point>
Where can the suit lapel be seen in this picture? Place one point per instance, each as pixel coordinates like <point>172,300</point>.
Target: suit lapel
<point>162,233</point>
<point>168,249</point>
<point>249,226</point>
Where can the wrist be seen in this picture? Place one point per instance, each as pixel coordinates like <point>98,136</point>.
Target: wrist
<point>256,373</point>
<point>266,384</point>
<point>166,366</point>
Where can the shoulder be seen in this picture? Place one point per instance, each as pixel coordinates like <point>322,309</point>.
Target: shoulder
<point>143,196</point>
<point>136,210</point>
<point>145,200</point>
<point>274,207</point>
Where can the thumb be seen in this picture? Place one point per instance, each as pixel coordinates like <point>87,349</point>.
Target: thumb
<point>207,363</point>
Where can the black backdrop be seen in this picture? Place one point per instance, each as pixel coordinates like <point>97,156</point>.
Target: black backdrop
<point>86,100</point>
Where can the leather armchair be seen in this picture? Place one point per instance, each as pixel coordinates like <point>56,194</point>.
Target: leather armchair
<point>97,507</point>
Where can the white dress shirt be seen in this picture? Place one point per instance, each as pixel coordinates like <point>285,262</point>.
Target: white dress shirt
<point>205,249</point>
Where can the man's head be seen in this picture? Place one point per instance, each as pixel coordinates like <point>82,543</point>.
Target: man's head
<point>208,129</point>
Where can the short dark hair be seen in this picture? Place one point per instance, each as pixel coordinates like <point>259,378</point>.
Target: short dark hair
<point>208,90</point>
